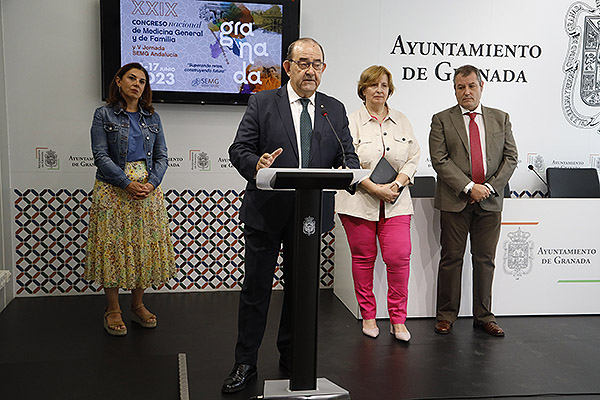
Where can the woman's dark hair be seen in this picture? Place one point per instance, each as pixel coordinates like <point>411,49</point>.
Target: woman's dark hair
<point>114,94</point>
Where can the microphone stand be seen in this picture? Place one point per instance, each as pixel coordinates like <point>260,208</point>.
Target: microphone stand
<point>326,115</point>
<point>541,179</point>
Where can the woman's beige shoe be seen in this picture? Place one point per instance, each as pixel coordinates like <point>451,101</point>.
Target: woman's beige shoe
<point>114,329</point>
<point>371,332</point>
<point>402,336</point>
<point>148,322</point>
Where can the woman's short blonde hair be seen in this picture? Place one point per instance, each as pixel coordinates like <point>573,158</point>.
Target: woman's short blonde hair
<point>370,76</point>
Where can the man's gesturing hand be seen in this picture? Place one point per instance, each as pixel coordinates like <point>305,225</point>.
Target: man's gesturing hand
<point>267,159</point>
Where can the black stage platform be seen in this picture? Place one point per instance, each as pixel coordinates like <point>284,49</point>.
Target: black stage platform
<point>56,348</point>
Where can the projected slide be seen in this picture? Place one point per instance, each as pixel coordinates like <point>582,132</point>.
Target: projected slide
<point>204,46</point>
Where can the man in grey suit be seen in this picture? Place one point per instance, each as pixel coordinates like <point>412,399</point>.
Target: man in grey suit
<point>474,153</point>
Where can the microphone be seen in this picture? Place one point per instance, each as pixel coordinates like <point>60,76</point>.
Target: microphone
<point>326,115</point>
<point>541,179</point>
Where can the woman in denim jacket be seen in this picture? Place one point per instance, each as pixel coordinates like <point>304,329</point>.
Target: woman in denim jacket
<point>129,242</point>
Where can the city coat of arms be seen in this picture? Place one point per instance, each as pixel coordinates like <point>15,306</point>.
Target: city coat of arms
<point>518,254</point>
<point>581,85</point>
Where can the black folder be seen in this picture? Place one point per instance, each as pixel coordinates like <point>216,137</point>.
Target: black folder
<point>383,172</point>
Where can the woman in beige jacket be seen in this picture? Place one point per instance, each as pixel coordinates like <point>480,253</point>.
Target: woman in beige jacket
<point>380,211</point>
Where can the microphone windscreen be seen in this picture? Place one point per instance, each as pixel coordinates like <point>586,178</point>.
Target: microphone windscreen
<point>530,167</point>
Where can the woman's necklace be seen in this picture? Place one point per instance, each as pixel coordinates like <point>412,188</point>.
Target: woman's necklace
<point>380,115</point>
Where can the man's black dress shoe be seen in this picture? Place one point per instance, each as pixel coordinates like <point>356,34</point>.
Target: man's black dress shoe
<point>238,378</point>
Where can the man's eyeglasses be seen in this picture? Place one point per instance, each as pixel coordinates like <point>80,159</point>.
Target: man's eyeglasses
<point>317,65</point>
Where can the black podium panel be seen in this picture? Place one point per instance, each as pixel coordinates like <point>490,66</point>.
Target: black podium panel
<point>308,185</point>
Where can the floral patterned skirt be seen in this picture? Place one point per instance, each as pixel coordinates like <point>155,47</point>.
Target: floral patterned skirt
<point>129,241</point>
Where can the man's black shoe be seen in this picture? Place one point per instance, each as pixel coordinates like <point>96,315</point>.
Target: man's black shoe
<point>238,378</point>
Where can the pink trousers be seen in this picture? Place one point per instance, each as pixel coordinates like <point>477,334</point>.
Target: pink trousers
<point>394,241</point>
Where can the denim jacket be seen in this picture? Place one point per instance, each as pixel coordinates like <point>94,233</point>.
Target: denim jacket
<point>110,131</point>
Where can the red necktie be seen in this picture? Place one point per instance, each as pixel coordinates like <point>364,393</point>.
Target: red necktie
<point>476,154</point>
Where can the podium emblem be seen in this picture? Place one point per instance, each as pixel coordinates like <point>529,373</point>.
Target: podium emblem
<point>309,226</point>
<point>581,85</point>
<point>518,254</point>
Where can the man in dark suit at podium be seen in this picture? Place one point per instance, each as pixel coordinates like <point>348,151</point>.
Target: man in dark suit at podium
<point>282,128</point>
<point>474,154</point>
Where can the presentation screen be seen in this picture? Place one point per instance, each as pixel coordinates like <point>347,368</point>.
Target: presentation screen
<point>197,51</point>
